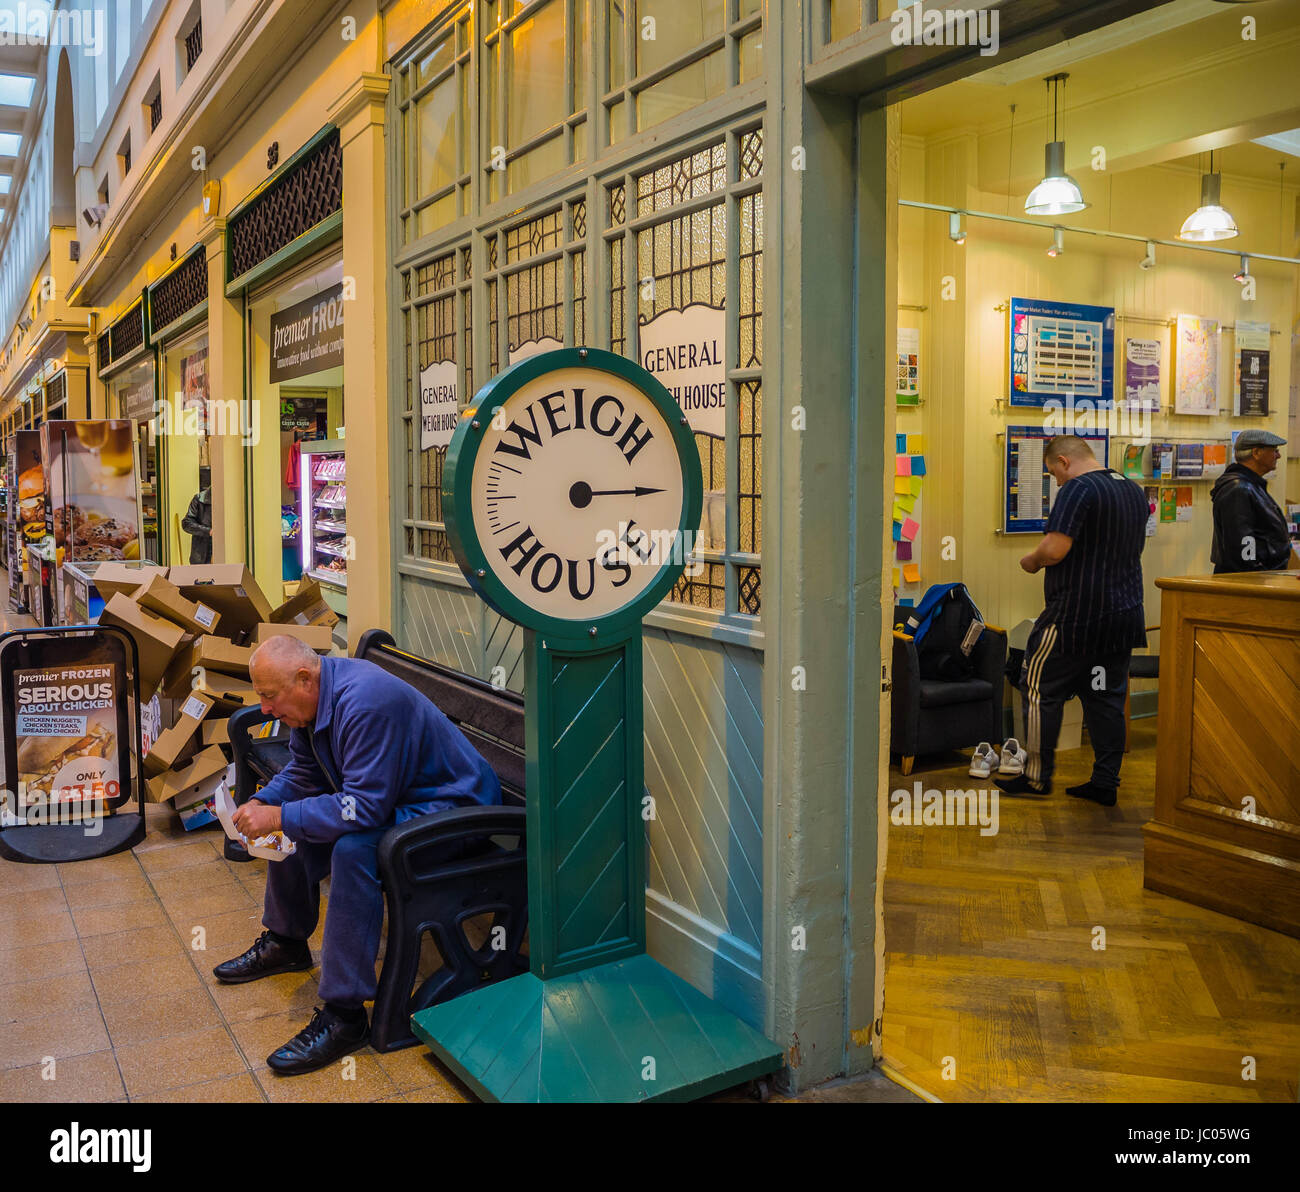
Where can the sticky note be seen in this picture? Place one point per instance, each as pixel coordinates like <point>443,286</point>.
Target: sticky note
<point>907,503</point>
<point>903,465</point>
<point>910,528</point>
<point>918,465</point>
<point>899,511</point>
<point>896,581</point>
<point>900,444</point>
<point>902,484</point>
<point>912,573</point>
<point>915,444</point>
<point>915,484</point>
<point>898,532</point>
<point>906,603</point>
<point>904,551</point>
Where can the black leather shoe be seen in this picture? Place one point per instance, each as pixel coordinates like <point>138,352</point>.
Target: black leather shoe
<point>322,1041</point>
<point>264,959</point>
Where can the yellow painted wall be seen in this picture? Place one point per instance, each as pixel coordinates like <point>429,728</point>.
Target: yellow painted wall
<point>964,347</point>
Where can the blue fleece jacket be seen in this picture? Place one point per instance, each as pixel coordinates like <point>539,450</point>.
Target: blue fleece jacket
<point>378,753</point>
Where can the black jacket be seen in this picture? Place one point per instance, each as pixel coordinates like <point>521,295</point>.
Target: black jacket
<point>1250,533</point>
<point>198,523</point>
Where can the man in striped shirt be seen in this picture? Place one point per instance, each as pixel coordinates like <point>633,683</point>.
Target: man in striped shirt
<point>1083,639</point>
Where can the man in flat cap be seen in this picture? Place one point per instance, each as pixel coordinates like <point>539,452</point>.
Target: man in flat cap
<point>1250,533</point>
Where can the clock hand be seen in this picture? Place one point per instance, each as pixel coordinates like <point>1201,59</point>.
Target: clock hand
<point>580,494</point>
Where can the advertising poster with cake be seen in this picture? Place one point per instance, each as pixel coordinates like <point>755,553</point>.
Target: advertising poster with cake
<point>66,722</point>
<point>91,506</point>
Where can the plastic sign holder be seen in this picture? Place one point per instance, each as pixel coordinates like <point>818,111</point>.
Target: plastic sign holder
<point>571,488</point>
<point>71,723</point>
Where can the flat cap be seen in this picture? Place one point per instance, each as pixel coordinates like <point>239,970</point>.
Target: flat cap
<point>1259,438</point>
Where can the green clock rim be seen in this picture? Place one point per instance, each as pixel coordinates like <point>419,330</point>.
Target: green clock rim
<point>458,473</point>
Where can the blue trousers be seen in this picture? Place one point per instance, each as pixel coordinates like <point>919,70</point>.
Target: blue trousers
<point>356,911</point>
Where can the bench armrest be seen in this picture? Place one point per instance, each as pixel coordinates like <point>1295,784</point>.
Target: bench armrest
<point>257,759</point>
<point>445,840</point>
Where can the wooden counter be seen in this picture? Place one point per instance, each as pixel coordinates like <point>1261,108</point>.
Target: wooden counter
<point>1226,830</point>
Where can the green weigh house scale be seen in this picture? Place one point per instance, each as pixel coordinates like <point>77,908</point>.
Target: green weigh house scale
<point>568,486</point>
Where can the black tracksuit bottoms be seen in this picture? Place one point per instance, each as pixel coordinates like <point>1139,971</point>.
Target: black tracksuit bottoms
<point>1049,677</point>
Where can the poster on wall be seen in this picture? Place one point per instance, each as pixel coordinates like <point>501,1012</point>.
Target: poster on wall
<point>194,386</point>
<point>1250,384</point>
<point>1060,351</point>
<point>1029,489</point>
<point>1142,374</point>
<point>439,408</point>
<point>908,388</point>
<point>1196,366</point>
<point>687,351</point>
<point>307,337</point>
<point>26,520</point>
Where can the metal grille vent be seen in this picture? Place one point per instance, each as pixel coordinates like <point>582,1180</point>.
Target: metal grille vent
<point>180,291</point>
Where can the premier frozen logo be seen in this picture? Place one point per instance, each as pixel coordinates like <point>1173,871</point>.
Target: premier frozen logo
<point>945,809</point>
<point>78,1145</point>
<point>919,26</point>
<point>36,25</point>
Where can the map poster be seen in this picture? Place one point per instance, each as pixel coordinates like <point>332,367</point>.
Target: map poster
<point>1250,383</point>
<point>1196,366</point>
<point>908,388</point>
<point>1142,374</point>
<point>1061,352</point>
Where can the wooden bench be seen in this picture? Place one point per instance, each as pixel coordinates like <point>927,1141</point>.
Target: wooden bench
<point>439,871</point>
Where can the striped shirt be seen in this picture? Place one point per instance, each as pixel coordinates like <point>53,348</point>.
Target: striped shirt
<point>1094,594</point>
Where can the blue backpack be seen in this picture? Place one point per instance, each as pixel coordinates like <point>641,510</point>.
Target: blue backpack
<point>945,628</point>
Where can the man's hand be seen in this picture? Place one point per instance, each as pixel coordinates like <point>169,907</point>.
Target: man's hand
<point>256,818</point>
<point>1030,563</point>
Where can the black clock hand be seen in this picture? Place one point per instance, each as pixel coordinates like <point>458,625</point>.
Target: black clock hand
<point>581,493</point>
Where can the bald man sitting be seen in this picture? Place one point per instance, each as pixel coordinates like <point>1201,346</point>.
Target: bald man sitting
<point>367,752</point>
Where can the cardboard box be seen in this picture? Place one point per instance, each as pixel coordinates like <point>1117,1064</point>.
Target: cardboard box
<point>227,587</point>
<point>319,637</point>
<point>198,814</point>
<point>183,783</point>
<point>306,607</point>
<point>210,654</point>
<point>112,578</point>
<point>162,597</point>
<point>157,640</point>
<point>178,742</point>
<point>215,731</point>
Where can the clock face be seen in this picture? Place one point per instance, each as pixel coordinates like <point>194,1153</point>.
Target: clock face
<point>577,494</point>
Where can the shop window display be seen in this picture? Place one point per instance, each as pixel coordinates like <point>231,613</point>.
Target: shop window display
<point>132,396</point>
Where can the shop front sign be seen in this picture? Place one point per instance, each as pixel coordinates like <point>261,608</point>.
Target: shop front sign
<point>439,408</point>
<point>307,337</point>
<point>686,352</point>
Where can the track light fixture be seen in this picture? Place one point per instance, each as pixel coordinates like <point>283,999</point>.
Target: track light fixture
<point>1242,276</point>
<point>956,233</point>
<point>1149,261</point>
<point>1058,242</point>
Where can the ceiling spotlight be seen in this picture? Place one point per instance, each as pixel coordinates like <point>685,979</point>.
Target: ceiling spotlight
<point>1149,261</point>
<point>956,233</point>
<point>1057,193</point>
<point>1058,243</point>
<point>1243,274</point>
<point>1209,221</point>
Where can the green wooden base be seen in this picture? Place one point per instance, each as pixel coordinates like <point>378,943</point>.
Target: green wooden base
<point>629,1030</point>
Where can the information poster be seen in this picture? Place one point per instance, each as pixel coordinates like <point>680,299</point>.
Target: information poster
<point>908,389</point>
<point>686,350</point>
<point>1142,374</point>
<point>66,721</point>
<point>1061,351</point>
<point>1250,387</point>
<point>1030,489</point>
<point>1196,366</point>
<point>439,408</point>
<point>1153,509</point>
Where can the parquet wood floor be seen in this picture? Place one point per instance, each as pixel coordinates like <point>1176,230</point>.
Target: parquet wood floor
<point>992,975</point>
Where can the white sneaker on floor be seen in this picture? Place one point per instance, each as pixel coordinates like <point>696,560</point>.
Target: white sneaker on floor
<point>984,760</point>
<point>1013,758</point>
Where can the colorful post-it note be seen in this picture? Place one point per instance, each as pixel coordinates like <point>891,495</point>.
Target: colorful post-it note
<point>899,511</point>
<point>912,573</point>
<point>897,584</point>
<point>918,465</point>
<point>915,483</point>
<point>900,444</point>
<point>902,465</point>
<point>910,528</point>
<point>907,503</point>
<point>915,444</point>
<point>904,550</point>
<point>898,531</point>
<point>902,484</point>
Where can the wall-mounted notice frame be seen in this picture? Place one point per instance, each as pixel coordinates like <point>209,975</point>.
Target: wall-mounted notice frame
<point>1025,506</point>
<point>1061,351</point>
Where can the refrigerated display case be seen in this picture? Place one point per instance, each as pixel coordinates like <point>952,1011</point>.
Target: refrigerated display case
<point>326,546</point>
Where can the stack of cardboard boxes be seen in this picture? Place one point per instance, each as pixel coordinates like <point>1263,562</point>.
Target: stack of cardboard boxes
<point>195,629</point>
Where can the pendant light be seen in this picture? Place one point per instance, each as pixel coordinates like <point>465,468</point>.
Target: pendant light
<point>1057,193</point>
<point>1209,221</point>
